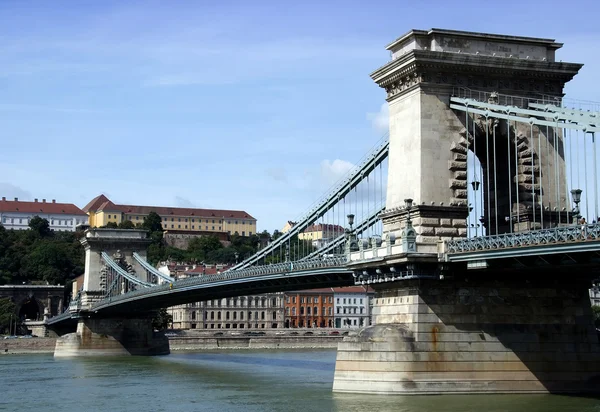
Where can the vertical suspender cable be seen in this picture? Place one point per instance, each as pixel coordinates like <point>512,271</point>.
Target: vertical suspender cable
<point>556,174</point>
<point>585,175</point>
<point>487,173</point>
<point>495,179</point>
<point>517,181</point>
<point>570,171</point>
<point>595,179</point>
<point>475,197</point>
<point>510,205</point>
<point>467,162</point>
<point>540,176</point>
<point>532,173</point>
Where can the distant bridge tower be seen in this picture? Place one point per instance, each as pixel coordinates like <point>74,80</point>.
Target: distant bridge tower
<point>117,243</point>
<point>111,333</point>
<point>437,328</point>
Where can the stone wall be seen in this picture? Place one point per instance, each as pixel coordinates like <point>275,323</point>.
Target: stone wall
<point>267,342</point>
<point>32,345</point>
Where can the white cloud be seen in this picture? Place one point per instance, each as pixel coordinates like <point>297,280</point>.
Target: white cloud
<point>381,119</point>
<point>332,171</point>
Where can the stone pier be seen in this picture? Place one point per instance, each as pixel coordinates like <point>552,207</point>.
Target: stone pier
<point>474,336</point>
<point>112,337</point>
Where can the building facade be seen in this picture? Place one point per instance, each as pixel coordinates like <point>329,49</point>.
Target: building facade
<point>102,211</point>
<point>309,308</point>
<point>16,214</point>
<point>352,306</point>
<point>243,312</point>
<point>321,234</point>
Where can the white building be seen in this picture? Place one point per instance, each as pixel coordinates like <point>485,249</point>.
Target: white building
<point>352,307</point>
<point>65,217</point>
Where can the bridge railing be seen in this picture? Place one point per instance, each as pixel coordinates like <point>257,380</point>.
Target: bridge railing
<point>564,234</point>
<point>286,267</point>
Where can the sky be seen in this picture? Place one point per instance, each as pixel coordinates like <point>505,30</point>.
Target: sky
<point>258,106</point>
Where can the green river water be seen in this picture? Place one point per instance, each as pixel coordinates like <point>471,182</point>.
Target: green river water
<point>227,381</point>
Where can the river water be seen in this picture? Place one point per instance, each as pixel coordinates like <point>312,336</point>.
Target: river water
<point>231,381</point>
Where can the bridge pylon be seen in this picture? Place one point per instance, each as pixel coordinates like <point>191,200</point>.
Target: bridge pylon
<point>441,328</point>
<point>105,333</point>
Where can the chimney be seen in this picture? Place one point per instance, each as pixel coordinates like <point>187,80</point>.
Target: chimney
<point>35,200</point>
<point>16,199</point>
<point>43,200</point>
<point>53,200</point>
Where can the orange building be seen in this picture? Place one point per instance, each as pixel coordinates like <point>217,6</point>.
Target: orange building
<point>309,308</point>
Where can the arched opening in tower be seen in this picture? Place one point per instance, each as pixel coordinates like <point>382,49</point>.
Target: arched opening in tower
<point>30,310</point>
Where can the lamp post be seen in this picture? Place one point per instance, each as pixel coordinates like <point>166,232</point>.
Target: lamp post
<point>237,255</point>
<point>408,206</point>
<point>350,221</point>
<point>576,195</point>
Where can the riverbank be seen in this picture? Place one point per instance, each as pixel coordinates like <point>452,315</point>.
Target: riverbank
<point>199,343</point>
<point>23,346</point>
<point>191,343</point>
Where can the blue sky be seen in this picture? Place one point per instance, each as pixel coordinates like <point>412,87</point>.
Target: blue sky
<point>259,106</point>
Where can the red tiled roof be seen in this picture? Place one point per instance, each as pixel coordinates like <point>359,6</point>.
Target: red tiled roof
<point>95,203</point>
<point>40,207</point>
<point>107,205</point>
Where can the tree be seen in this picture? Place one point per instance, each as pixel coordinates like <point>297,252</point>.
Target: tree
<point>162,320</point>
<point>153,222</point>
<point>7,313</point>
<point>39,226</point>
<point>200,247</point>
<point>126,224</point>
<point>111,225</point>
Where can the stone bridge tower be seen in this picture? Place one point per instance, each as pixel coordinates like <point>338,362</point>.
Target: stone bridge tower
<point>112,241</point>
<point>429,141</point>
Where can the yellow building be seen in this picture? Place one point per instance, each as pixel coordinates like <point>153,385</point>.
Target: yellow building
<point>101,211</point>
<point>321,234</point>
<point>288,225</point>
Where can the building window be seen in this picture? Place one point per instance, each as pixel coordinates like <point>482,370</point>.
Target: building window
<point>172,226</point>
<point>316,311</point>
<point>243,233</point>
<point>178,226</point>
<point>193,227</point>
<point>293,299</point>
<point>302,310</point>
<point>213,228</point>
<point>293,311</point>
<point>337,300</point>
<point>186,226</point>
<point>308,310</point>
<point>219,227</point>
<point>330,299</point>
<point>287,299</point>
<point>186,220</point>
<point>287,311</point>
<point>337,310</point>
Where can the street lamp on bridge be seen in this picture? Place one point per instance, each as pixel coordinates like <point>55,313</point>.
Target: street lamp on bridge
<point>576,194</point>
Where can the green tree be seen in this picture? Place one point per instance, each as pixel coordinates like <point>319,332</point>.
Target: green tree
<point>153,222</point>
<point>111,225</point>
<point>162,320</point>
<point>126,224</point>
<point>200,247</point>
<point>40,226</point>
<point>7,314</point>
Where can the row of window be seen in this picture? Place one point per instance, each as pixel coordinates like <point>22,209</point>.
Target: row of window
<point>241,302</point>
<point>349,301</point>
<point>235,316</point>
<point>315,311</point>
<point>309,299</point>
<point>185,219</point>
<point>57,222</point>
<point>350,310</point>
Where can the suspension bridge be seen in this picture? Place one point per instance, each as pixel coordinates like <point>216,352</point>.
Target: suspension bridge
<point>475,220</point>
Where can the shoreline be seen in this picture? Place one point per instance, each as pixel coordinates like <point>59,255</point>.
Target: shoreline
<point>35,346</point>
